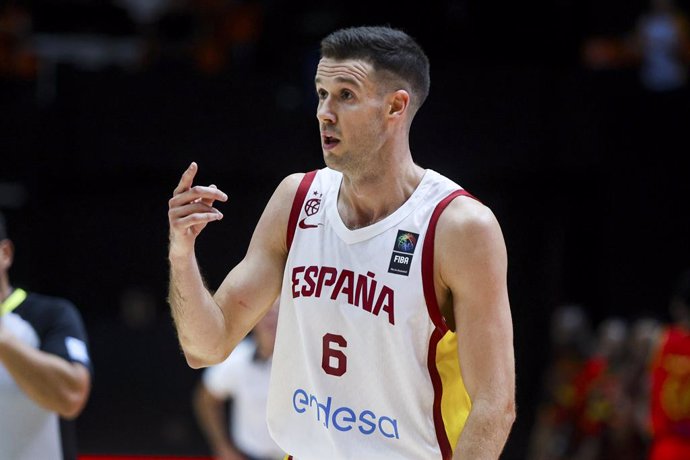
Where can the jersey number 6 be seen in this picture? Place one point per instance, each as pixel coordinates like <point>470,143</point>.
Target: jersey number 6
<point>333,360</point>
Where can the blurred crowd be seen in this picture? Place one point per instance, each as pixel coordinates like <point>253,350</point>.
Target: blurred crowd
<point>618,389</point>
<point>210,34</point>
<point>218,35</point>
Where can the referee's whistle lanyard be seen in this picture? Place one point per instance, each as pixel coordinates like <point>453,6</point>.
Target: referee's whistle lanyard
<point>12,301</point>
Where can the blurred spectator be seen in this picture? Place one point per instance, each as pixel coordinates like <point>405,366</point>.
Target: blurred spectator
<point>599,391</point>
<point>643,337</point>
<point>663,44</point>
<point>45,370</point>
<point>551,437</point>
<point>215,36</point>
<point>670,394</point>
<point>658,45</point>
<point>17,60</point>
<point>621,397</point>
<point>595,390</point>
<point>242,380</point>
<point>231,30</point>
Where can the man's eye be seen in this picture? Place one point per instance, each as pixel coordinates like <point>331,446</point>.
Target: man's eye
<point>346,95</point>
<point>321,94</point>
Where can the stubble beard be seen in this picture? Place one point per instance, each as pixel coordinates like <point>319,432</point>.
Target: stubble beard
<point>357,162</point>
<point>351,164</point>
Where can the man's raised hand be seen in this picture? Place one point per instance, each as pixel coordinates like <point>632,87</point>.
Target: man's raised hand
<point>190,209</point>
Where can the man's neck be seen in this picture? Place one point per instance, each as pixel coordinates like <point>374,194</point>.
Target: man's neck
<point>365,200</point>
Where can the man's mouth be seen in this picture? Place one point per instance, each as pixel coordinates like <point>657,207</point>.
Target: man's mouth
<point>330,141</point>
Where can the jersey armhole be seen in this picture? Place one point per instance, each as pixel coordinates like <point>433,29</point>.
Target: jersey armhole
<point>297,203</point>
<point>428,261</point>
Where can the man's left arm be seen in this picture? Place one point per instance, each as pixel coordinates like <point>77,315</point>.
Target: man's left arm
<point>472,266</point>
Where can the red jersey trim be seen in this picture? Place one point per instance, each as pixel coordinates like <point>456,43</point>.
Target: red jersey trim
<point>428,261</point>
<point>297,206</point>
<point>437,319</point>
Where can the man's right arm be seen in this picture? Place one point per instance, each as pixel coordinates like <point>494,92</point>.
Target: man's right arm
<point>210,325</point>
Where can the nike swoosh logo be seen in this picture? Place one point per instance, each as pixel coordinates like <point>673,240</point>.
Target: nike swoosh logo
<point>305,225</point>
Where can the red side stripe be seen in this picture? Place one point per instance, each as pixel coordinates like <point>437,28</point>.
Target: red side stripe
<point>437,319</point>
<point>440,427</point>
<point>297,205</point>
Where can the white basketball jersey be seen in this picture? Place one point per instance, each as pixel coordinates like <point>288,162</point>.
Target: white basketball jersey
<point>364,366</point>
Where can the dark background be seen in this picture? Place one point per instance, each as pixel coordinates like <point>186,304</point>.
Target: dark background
<point>104,104</point>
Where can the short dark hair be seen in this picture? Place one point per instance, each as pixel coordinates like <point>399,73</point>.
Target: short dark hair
<point>386,49</point>
<point>3,227</point>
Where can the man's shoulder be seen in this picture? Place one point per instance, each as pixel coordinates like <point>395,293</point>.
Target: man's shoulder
<point>466,208</point>
<point>293,180</point>
<point>290,186</point>
<point>467,222</point>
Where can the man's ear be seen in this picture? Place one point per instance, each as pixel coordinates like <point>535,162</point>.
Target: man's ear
<point>398,102</point>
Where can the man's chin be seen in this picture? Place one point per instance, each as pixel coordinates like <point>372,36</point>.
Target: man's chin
<point>331,160</point>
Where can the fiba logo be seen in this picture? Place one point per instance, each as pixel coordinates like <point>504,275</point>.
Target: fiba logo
<point>406,242</point>
<point>312,206</point>
<point>401,258</point>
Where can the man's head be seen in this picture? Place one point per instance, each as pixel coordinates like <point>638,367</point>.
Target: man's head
<point>393,54</point>
<point>370,82</point>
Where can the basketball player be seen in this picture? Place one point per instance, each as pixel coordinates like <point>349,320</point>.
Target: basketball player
<point>45,370</point>
<point>394,333</point>
<point>243,379</point>
<point>670,376</point>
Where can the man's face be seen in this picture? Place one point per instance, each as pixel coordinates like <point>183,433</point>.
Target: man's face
<point>351,113</point>
<point>6,256</point>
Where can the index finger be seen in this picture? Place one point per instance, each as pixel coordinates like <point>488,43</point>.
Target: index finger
<point>186,179</point>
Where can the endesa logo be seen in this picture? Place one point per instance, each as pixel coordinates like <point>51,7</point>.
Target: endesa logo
<point>344,418</point>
